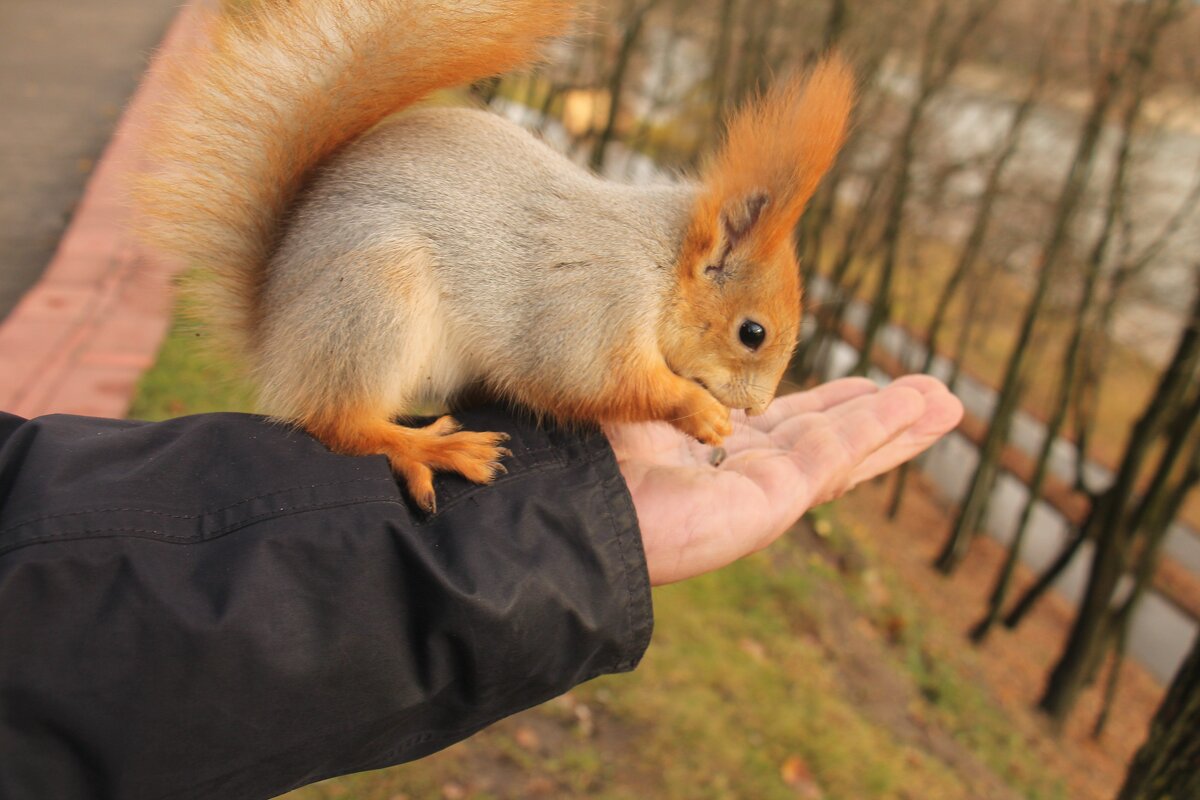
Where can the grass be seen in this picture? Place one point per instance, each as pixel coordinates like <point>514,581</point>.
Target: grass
<point>188,379</point>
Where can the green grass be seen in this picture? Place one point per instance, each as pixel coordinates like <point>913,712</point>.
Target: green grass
<point>188,379</point>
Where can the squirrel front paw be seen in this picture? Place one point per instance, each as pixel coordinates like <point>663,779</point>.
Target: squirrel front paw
<point>704,419</point>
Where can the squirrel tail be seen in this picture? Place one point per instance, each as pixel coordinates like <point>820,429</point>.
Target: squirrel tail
<point>271,90</point>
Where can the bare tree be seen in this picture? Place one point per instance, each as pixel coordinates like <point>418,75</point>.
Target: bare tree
<point>634,17</point>
<point>1110,519</point>
<point>969,255</point>
<point>1147,20</point>
<point>1160,505</point>
<point>1072,356</point>
<point>943,50</point>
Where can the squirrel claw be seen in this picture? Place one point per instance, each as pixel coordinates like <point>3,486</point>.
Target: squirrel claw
<point>428,504</point>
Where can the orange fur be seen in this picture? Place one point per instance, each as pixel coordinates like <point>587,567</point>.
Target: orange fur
<point>413,452</point>
<point>639,387</point>
<point>782,144</point>
<point>737,260</point>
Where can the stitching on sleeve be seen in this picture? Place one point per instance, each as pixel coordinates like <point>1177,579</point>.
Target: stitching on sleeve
<point>173,539</point>
<point>455,500</point>
<point>109,510</point>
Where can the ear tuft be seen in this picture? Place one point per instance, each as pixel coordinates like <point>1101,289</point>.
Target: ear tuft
<point>776,151</point>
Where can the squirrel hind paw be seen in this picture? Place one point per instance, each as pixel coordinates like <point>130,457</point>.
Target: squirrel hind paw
<point>474,455</point>
<point>415,453</point>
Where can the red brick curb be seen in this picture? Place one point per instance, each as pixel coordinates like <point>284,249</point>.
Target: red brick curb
<point>80,339</point>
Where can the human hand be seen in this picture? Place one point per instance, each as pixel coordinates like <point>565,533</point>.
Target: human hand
<point>806,449</point>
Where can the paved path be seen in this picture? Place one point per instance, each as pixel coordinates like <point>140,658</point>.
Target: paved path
<point>67,67</point>
<point>78,340</point>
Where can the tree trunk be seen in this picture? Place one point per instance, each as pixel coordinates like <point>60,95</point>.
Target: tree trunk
<point>973,246</point>
<point>938,61</point>
<point>974,504</point>
<point>1113,536</point>
<point>719,76</point>
<point>1159,509</point>
<point>635,17</point>
<point>1072,358</point>
<point>1167,767</point>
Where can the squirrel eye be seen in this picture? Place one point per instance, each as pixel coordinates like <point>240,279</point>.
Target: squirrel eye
<point>752,334</point>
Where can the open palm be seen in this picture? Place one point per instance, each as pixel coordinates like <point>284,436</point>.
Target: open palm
<point>808,448</point>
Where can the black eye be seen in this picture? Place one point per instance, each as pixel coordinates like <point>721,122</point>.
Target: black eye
<point>752,334</point>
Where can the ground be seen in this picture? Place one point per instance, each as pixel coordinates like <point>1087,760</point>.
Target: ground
<point>1013,665</point>
<point>835,665</point>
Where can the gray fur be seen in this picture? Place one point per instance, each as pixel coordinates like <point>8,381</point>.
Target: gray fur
<point>448,247</point>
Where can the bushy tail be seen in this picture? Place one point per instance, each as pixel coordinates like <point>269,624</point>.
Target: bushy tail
<point>274,88</point>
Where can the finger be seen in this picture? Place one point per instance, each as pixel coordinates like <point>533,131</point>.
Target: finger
<point>867,423</point>
<point>925,384</point>
<point>825,449</point>
<point>943,412</point>
<point>817,399</point>
<point>871,411</point>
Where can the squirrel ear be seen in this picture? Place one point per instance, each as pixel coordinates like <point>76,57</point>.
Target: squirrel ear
<point>779,147</point>
<point>739,216</point>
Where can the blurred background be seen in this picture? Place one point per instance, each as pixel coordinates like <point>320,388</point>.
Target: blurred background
<point>1018,212</point>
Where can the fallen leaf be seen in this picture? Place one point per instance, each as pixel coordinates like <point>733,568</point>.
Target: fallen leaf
<point>874,589</point>
<point>583,716</point>
<point>540,786</point>
<point>895,627</point>
<point>796,774</point>
<point>753,648</point>
<point>528,739</point>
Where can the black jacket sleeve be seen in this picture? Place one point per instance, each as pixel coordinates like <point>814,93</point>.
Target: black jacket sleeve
<point>218,607</point>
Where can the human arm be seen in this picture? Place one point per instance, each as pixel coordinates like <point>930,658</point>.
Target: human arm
<point>217,606</point>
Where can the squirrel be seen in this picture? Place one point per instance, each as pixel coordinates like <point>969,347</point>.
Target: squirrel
<point>364,262</point>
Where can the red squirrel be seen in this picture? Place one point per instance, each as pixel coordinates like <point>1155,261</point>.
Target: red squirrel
<point>365,262</point>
